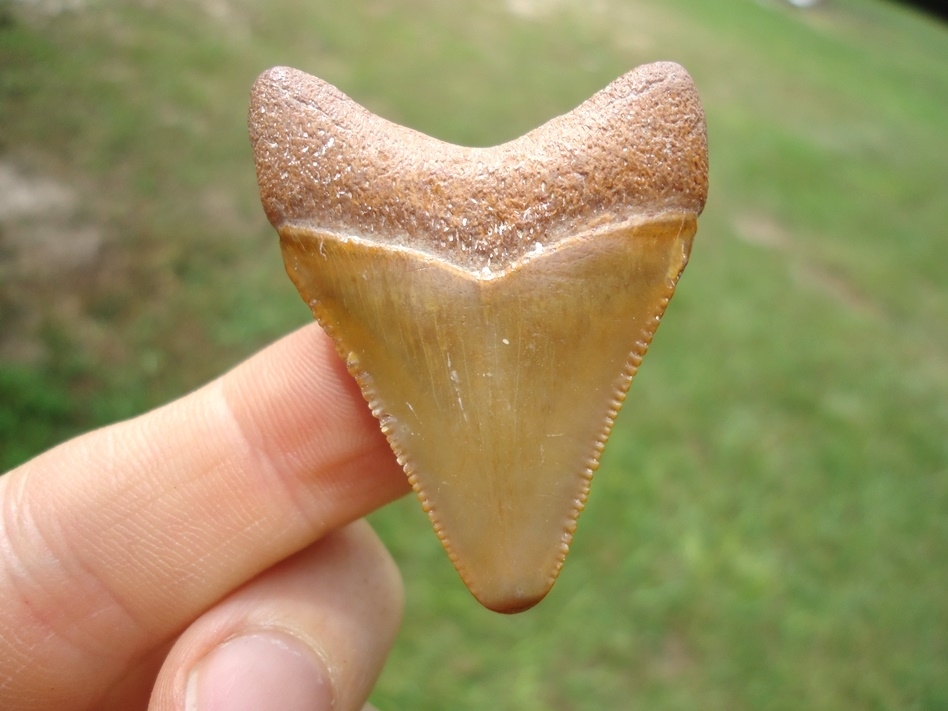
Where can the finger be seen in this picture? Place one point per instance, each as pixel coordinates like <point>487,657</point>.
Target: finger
<point>312,633</point>
<point>113,542</point>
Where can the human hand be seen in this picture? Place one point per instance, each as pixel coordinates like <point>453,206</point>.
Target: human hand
<point>203,556</point>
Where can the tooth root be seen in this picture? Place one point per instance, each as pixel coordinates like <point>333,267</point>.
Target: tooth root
<point>493,304</point>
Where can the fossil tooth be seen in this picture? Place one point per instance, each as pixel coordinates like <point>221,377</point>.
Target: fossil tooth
<point>492,303</point>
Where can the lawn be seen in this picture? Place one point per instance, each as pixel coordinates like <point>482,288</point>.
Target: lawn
<point>768,529</point>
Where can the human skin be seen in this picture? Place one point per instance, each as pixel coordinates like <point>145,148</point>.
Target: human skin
<point>208,554</point>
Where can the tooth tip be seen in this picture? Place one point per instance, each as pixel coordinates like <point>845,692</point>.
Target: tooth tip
<point>511,603</point>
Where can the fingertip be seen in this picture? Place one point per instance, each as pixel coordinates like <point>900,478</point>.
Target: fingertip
<point>256,671</point>
<point>314,630</point>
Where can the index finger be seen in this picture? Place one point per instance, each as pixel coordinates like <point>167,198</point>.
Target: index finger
<point>112,542</point>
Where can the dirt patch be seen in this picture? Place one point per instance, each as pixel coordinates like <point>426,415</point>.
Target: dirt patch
<point>628,26</point>
<point>52,7</point>
<point>676,658</point>
<point>764,231</point>
<point>41,233</point>
<point>534,9</point>
<point>45,247</point>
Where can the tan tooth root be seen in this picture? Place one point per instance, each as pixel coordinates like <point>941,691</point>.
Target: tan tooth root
<point>493,303</point>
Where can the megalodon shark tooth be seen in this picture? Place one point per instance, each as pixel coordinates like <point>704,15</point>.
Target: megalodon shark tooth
<point>492,303</point>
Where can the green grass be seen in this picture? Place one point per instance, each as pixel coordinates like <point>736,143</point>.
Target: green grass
<point>768,528</point>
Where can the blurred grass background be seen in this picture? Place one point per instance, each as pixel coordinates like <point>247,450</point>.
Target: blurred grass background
<point>768,529</point>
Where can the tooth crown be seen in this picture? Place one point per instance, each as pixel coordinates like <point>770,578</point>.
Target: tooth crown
<point>493,303</point>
